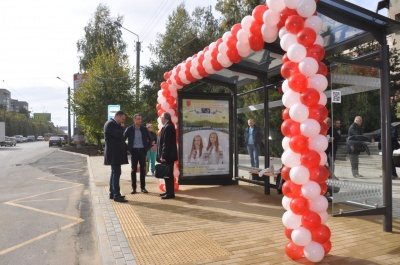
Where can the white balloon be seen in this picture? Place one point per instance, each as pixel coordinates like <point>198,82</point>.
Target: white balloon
<point>246,22</point>
<point>314,251</point>
<point>208,67</point>
<point>324,158</point>
<point>194,72</point>
<point>291,3</point>
<point>296,52</point>
<point>306,8</point>
<point>290,158</point>
<point>182,76</point>
<point>282,32</point>
<point>322,99</point>
<point>243,36</point>
<point>226,36</point>
<point>314,22</point>
<point>290,98</point>
<point>311,190</point>
<point>276,5</point>
<point>319,82</point>
<point>165,105</point>
<point>222,48</point>
<point>299,174</point>
<point>171,111</point>
<point>301,236</point>
<point>159,93</point>
<point>224,60</point>
<point>324,217</point>
<point>319,40</point>
<point>212,46</point>
<point>207,56</point>
<point>269,33</point>
<point>286,203</point>
<point>244,49</point>
<point>299,112</point>
<point>173,93</point>
<point>291,220</point>
<point>310,128</point>
<point>271,18</point>
<point>195,62</point>
<point>318,143</point>
<point>308,66</point>
<point>174,119</point>
<point>285,86</point>
<point>285,143</point>
<point>319,204</point>
<point>288,40</point>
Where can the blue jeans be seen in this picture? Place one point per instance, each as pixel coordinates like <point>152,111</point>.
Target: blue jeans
<point>114,180</point>
<point>151,159</point>
<point>253,151</point>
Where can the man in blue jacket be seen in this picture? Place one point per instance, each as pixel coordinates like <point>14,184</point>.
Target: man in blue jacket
<point>253,140</point>
<point>139,142</point>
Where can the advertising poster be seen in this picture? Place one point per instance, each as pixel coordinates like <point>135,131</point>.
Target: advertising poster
<point>205,132</point>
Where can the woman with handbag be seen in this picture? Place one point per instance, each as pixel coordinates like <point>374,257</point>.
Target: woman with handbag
<point>167,153</point>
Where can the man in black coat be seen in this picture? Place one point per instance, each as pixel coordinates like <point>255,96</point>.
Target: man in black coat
<point>334,133</point>
<point>139,142</point>
<point>353,147</point>
<point>253,141</point>
<point>167,153</point>
<point>115,153</point>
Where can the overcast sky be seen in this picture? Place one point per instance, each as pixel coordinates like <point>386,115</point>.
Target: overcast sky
<point>38,43</point>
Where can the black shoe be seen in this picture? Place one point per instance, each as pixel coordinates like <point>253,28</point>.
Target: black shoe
<point>144,191</point>
<point>168,196</point>
<point>112,196</point>
<point>133,191</point>
<point>163,194</point>
<point>120,199</point>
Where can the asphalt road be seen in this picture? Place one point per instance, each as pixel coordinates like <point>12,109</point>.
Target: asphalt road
<point>46,212</point>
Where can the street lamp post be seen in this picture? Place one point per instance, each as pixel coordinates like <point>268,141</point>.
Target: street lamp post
<point>137,58</point>
<point>69,111</point>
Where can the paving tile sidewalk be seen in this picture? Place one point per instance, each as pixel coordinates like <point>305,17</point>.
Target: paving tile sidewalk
<point>220,225</point>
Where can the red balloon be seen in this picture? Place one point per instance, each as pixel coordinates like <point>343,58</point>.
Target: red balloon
<point>298,82</point>
<point>310,97</point>
<point>231,42</point>
<point>321,234</point>
<point>288,233</point>
<point>294,251</point>
<point>291,189</point>
<point>311,220</point>
<point>290,128</point>
<point>258,12</point>
<point>288,68</point>
<point>285,173</point>
<point>235,28</point>
<point>256,42</point>
<point>178,80</point>
<point>176,186</point>
<point>202,71</point>
<point>285,58</point>
<point>165,93</point>
<point>318,112</point>
<point>327,246</point>
<point>160,112</point>
<point>214,53</point>
<point>285,114</point>
<point>324,188</point>
<point>299,205</point>
<point>216,65</point>
<point>299,143</point>
<point>294,24</point>
<point>255,27</point>
<point>319,174</point>
<point>322,69</point>
<point>161,186</point>
<point>158,106</point>
<point>324,128</point>
<point>316,51</point>
<point>233,55</point>
<point>306,37</point>
<point>284,15</point>
<point>164,86</point>
<point>310,159</point>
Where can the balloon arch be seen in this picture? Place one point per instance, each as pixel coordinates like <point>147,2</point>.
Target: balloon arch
<point>296,24</point>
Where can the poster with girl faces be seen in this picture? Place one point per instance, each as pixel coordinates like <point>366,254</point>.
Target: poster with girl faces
<point>205,144</point>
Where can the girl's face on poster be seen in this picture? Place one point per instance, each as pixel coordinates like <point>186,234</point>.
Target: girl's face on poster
<point>213,138</point>
<point>197,142</point>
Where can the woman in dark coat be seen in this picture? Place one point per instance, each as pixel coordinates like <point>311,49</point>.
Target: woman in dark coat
<point>115,153</point>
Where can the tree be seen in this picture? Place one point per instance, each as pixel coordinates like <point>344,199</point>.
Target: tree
<point>234,11</point>
<point>109,82</point>
<point>101,35</point>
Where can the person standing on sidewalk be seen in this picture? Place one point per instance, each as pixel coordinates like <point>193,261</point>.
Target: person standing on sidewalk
<point>151,154</point>
<point>334,133</point>
<point>115,153</point>
<point>354,146</point>
<point>253,141</point>
<point>167,153</point>
<point>139,143</point>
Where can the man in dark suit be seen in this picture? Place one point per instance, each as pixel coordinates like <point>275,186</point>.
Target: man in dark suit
<point>353,146</point>
<point>115,153</point>
<point>167,153</point>
<point>139,142</point>
<point>253,141</point>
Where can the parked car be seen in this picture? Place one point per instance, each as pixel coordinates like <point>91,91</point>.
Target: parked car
<point>30,138</point>
<point>40,138</point>
<point>19,138</point>
<point>55,140</point>
<point>9,141</point>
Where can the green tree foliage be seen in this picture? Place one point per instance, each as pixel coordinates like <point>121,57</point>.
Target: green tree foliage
<point>233,11</point>
<point>109,82</point>
<point>101,35</point>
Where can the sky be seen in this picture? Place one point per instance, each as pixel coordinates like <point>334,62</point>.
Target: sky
<point>38,43</point>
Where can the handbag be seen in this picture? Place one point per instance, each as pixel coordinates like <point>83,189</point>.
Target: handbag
<point>162,170</point>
